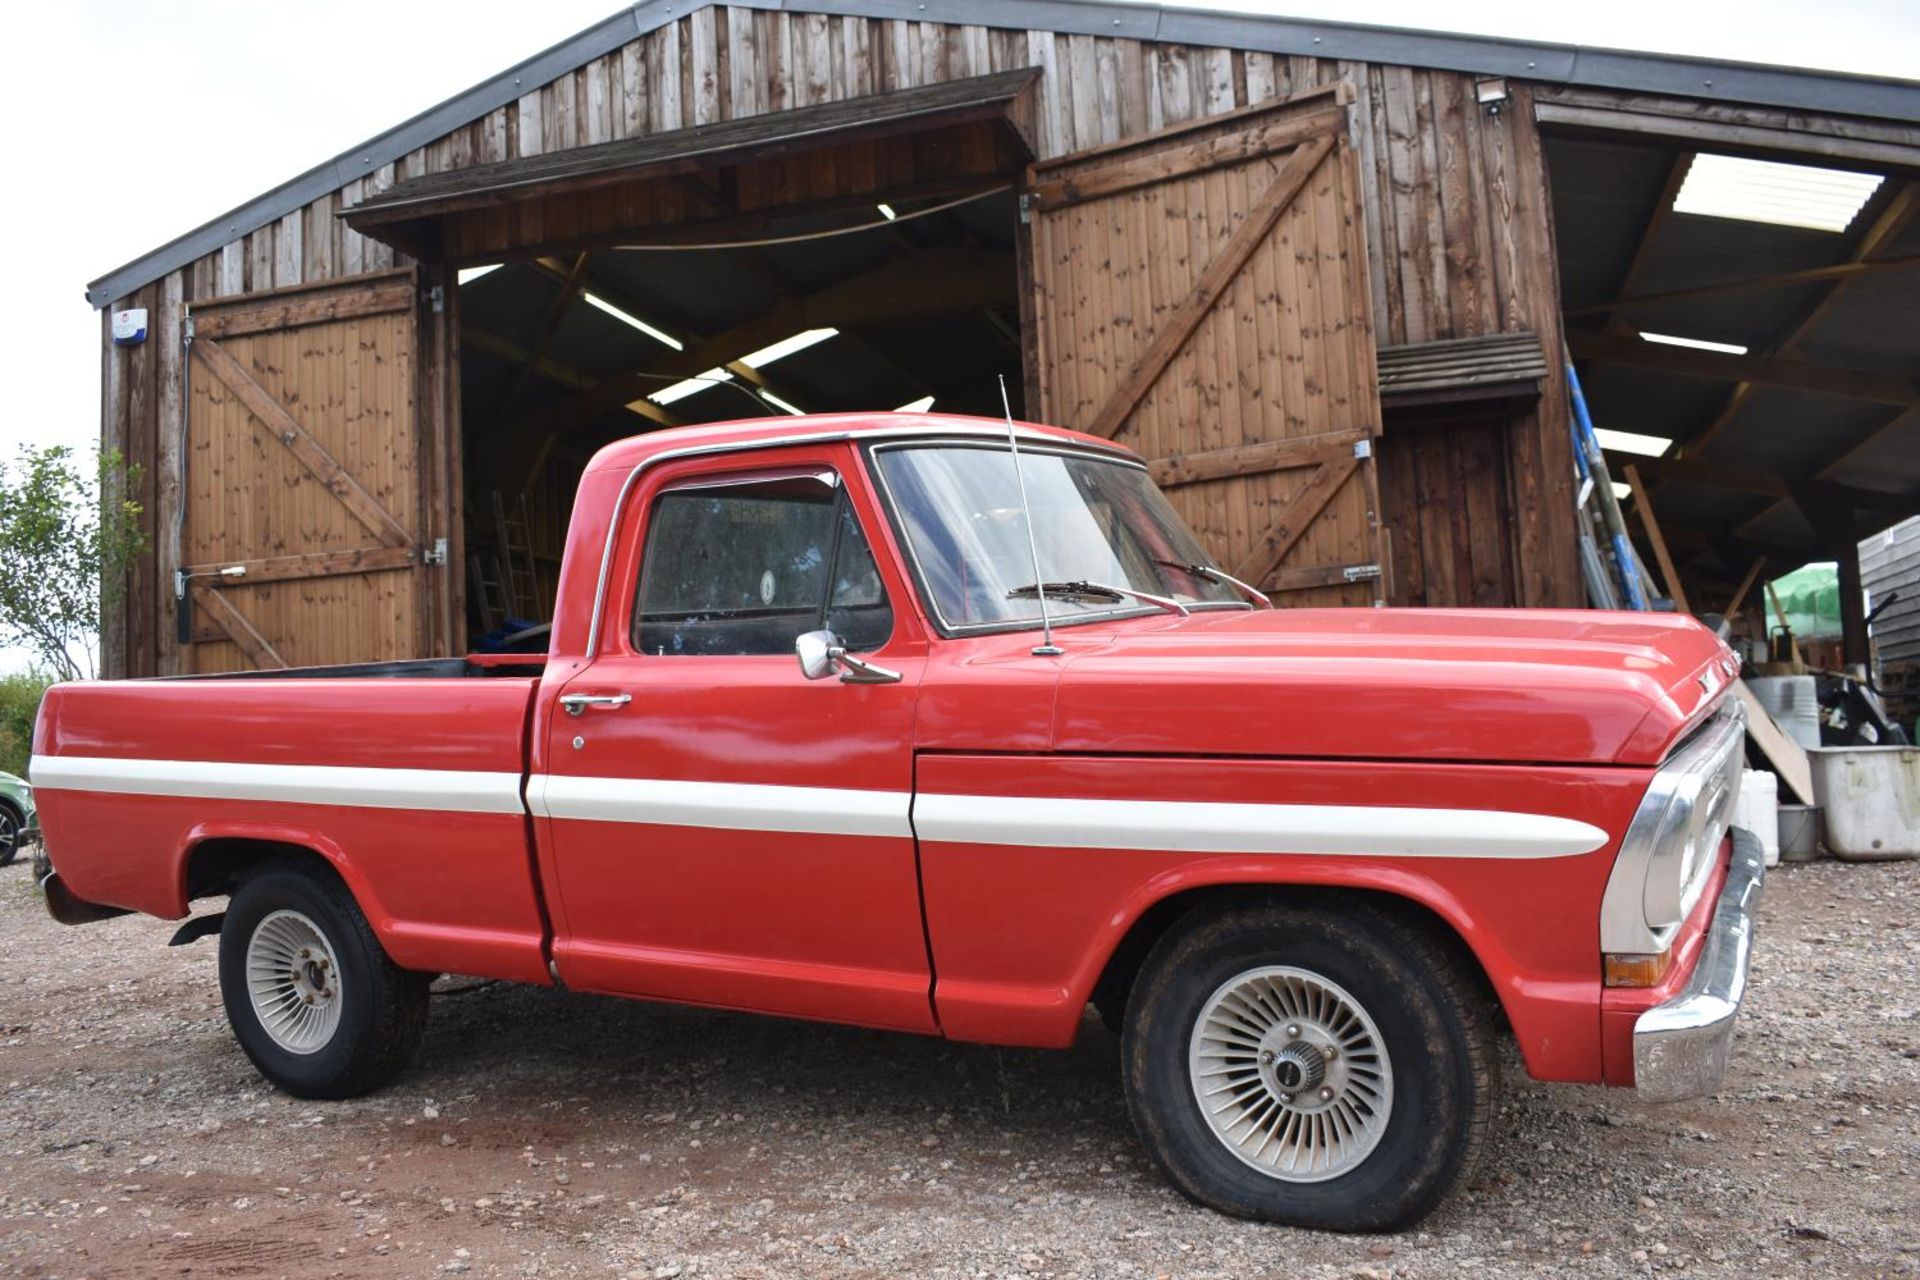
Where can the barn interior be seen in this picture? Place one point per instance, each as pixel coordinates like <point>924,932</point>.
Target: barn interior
<point>707,275</point>
<point>897,307</point>
<point>1745,324</point>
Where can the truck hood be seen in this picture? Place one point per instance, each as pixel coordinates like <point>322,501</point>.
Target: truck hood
<point>1523,686</point>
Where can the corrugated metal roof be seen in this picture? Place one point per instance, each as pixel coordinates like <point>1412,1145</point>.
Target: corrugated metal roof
<point>1602,208</point>
<point>1817,91</point>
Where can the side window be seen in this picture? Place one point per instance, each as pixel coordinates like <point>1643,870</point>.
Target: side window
<point>745,568</point>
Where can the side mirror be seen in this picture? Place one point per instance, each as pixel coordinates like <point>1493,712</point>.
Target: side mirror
<point>815,651</point>
<point>821,655</point>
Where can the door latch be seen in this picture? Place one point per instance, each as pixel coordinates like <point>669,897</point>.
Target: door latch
<point>577,703</point>
<point>435,554</point>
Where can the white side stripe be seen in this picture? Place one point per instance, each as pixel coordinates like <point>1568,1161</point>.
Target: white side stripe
<point>1208,827</point>
<point>735,806</point>
<point>441,790</point>
<point>1039,822</point>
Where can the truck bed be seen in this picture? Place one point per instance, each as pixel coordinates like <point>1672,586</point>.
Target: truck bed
<point>374,765</point>
<point>472,666</point>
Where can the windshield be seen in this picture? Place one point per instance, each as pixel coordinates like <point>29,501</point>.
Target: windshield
<point>1095,522</point>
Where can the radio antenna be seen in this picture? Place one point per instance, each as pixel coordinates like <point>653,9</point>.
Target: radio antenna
<point>1046,648</point>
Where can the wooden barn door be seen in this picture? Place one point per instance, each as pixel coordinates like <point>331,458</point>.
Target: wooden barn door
<point>1201,295</point>
<point>306,501</point>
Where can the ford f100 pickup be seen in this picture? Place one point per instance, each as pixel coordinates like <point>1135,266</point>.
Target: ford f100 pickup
<point>949,726</point>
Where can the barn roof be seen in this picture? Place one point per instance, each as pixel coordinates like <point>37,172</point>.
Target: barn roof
<point>1803,90</point>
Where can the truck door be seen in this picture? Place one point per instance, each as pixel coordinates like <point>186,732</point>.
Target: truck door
<point>721,829</point>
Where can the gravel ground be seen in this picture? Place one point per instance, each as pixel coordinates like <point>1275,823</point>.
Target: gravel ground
<point>553,1135</point>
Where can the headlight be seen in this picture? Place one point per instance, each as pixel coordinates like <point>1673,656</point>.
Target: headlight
<point>1668,853</point>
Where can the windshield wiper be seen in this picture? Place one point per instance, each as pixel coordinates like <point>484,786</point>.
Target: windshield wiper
<point>1221,576</point>
<point>1097,591</point>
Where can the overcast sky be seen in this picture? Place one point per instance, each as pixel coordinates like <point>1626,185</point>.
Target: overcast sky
<point>135,122</point>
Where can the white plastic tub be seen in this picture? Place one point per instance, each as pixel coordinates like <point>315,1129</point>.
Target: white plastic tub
<point>1758,810</point>
<point>1870,797</point>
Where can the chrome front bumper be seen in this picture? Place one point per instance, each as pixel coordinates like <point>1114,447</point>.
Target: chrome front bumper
<point>1680,1047</point>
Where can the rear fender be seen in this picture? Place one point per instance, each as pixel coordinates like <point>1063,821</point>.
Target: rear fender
<point>280,833</point>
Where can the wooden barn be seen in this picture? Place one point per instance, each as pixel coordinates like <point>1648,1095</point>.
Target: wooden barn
<point>1322,275</point>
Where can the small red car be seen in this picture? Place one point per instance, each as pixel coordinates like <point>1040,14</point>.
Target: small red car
<point>1036,753</point>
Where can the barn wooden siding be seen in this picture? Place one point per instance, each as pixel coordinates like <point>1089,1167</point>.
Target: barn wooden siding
<point>1455,199</point>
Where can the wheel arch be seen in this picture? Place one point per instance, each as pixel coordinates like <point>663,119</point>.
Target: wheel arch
<point>214,858</point>
<point>1434,914</point>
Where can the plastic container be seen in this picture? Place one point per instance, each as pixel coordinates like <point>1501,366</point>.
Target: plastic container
<point>1799,832</point>
<point>1794,704</point>
<point>1758,810</point>
<point>1871,799</point>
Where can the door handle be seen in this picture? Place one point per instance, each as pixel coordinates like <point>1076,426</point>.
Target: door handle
<point>577,703</point>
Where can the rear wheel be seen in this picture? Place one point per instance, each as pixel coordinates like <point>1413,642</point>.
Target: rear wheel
<point>1318,1068</point>
<point>312,997</point>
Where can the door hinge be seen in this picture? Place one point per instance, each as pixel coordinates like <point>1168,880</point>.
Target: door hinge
<point>435,297</point>
<point>1026,206</point>
<point>1363,448</point>
<point>1360,572</point>
<point>435,554</point>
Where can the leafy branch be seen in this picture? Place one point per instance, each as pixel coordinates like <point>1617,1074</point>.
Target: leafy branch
<point>65,541</point>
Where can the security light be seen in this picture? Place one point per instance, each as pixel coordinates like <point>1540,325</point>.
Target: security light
<point>1787,195</point>
<point>1702,344</point>
<point>1491,92</point>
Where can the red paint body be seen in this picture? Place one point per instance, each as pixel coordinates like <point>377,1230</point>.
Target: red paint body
<point>1559,713</point>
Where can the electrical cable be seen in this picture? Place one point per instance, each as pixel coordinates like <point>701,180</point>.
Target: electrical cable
<point>773,411</point>
<point>802,237</point>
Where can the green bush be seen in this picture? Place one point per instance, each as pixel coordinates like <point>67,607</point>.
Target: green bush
<point>19,700</point>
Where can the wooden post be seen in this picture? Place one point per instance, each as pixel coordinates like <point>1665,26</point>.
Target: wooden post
<point>1854,649</point>
<point>1669,574</point>
<point>1746,585</point>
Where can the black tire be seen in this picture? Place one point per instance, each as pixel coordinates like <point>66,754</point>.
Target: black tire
<point>383,1008</point>
<point>12,823</point>
<point>1436,1030</point>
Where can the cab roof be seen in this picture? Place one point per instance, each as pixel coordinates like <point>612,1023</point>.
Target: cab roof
<point>623,455</point>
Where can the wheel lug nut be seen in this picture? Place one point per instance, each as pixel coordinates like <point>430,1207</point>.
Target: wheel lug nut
<point>1326,1095</point>
<point>306,999</point>
<point>1330,1052</point>
<point>1293,1030</point>
<point>1266,1057</point>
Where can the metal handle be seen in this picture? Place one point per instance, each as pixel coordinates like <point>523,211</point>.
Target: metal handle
<point>577,703</point>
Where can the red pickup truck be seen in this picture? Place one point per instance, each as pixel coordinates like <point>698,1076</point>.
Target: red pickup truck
<point>1307,863</point>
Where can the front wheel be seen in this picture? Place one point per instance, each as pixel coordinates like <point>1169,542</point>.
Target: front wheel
<point>311,995</point>
<point>1325,1068</point>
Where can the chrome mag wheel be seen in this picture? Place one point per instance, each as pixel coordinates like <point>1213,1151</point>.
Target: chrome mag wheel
<point>1291,1074</point>
<point>293,981</point>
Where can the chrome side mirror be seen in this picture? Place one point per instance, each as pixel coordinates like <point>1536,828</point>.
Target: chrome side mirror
<point>821,655</point>
<point>815,651</point>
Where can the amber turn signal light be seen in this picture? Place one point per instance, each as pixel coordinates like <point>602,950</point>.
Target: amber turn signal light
<point>1637,970</point>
